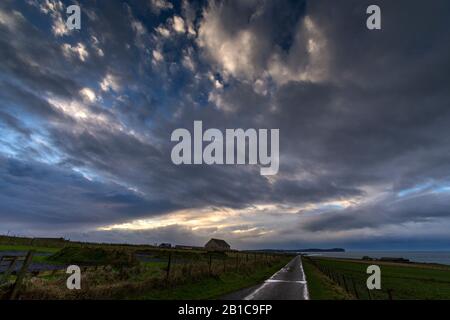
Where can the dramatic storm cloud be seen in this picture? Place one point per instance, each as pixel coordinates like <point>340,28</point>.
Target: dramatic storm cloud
<point>86,118</point>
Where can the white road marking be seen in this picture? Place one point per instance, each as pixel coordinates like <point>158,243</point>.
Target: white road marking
<point>272,280</point>
<point>288,281</point>
<point>306,291</point>
<point>254,293</point>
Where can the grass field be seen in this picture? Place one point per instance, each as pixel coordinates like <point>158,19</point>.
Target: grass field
<point>214,287</point>
<point>320,287</point>
<point>113,272</point>
<point>407,281</point>
<point>148,281</point>
<point>27,248</point>
<point>196,274</point>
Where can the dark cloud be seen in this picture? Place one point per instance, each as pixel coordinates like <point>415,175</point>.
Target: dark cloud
<point>40,196</point>
<point>363,115</point>
<point>389,211</point>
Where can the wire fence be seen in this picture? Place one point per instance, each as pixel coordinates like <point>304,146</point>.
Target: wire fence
<point>354,284</point>
<point>215,264</point>
<point>161,269</point>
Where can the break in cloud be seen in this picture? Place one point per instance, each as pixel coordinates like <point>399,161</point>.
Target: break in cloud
<point>364,119</point>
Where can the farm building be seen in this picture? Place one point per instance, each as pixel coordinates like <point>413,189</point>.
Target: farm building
<point>217,245</point>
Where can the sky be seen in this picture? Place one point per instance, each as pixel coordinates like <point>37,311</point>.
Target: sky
<point>86,118</point>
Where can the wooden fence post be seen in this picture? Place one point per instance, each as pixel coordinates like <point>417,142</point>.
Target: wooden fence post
<point>354,288</point>
<point>210,261</point>
<point>19,280</point>
<point>345,284</point>
<point>368,293</point>
<point>190,268</point>
<point>168,266</point>
<point>389,291</point>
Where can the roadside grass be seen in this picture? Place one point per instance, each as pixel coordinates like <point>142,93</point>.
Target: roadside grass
<point>193,274</point>
<point>320,287</point>
<point>95,256</point>
<point>213,287</point>
<point>27,248</point>
<point>415,281</point>
<point>151,269</point>
<point>205,277</point>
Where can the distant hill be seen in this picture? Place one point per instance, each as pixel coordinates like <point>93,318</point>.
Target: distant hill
<point>323,250</point>
<point>300,250</point>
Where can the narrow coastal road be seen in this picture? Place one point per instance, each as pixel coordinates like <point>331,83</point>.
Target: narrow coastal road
<point>289,283</point>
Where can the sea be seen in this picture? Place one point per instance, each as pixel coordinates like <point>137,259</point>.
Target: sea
<point>441,257</point>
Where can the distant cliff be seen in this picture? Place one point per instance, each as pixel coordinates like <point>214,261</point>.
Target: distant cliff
<point>322,250</point>
<point>300,250</point>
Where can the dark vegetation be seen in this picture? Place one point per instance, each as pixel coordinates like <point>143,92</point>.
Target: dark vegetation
<point>320,287</point>
<point>399,280</point>
<point>88,256</point>
<point>141,272</point>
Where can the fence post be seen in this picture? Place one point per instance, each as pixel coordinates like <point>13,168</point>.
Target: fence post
<point>368,293</point>
<point>237,262</point>
<point>389,291</point>
<point>168,266</point>
<point>354,288</point>
<point>210,261</point>
<point>19,280</point>
<point>190,268</point>
<point>345,283</point>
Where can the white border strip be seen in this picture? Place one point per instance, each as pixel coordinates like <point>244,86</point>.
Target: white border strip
<point>306,291</point>
<point>288,281</point>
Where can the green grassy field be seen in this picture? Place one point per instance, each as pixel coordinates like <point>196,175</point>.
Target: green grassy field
<point>36,258</point>
<point>190,278</point>
<point>194,274</point>
<point>407,281</point>
<point>213,287</point>
<point>8,247</point>
<point>320,287</point>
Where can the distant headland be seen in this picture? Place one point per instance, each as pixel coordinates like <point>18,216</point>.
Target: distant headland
<point>309,250</point>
